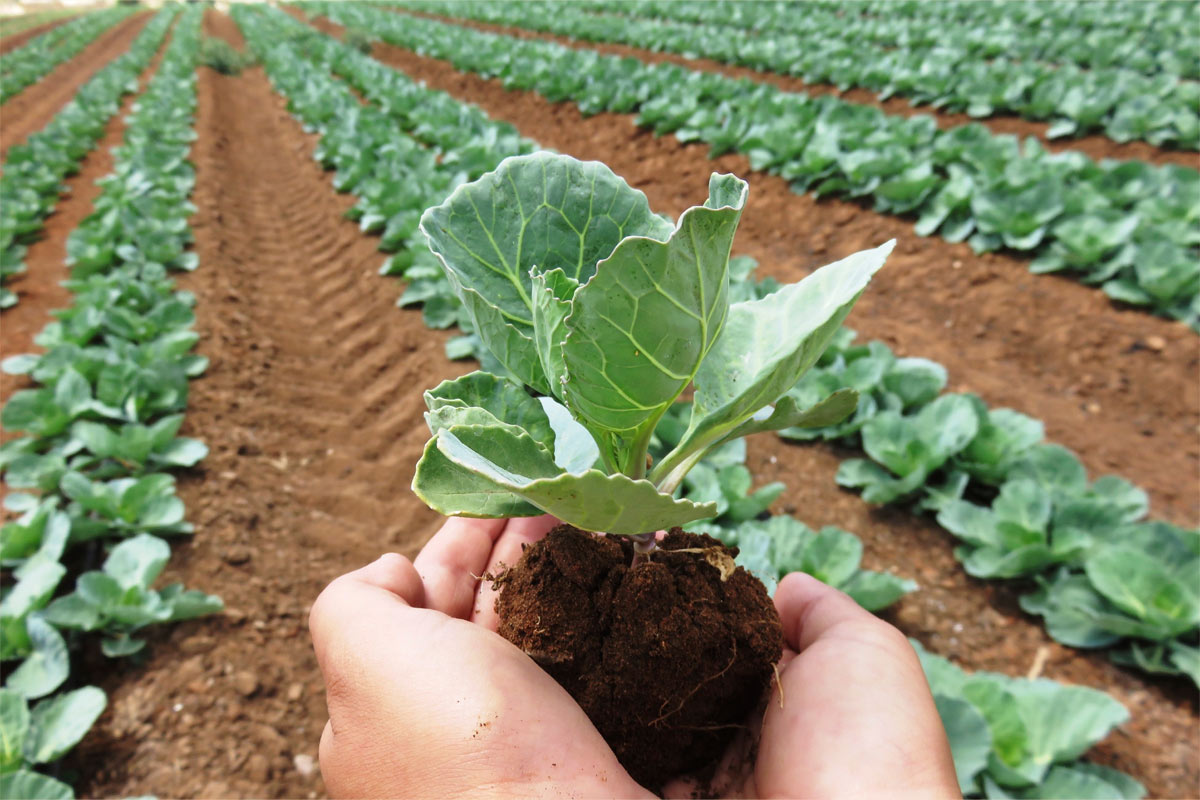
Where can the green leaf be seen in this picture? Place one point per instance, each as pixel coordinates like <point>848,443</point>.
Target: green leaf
<point>574,448</point>
<point>1164,595</point>
<point>504,399</point>
<point>59,723</point>
<point>182,452</point>
<point>833,555</point>
<point>590,500</point>
<point>999,707</point>
<point>970,739</point>
<point>37,581</point>
<point>552,292</point>
<point>640,327</point>
<point>787,414</point>
<point>768,344</point>
<point>875,591</point>
<point>1062,721</point>
<point>451,489</point>
<point>137,561</point>
<point>542,210</point>
<point>14,722</point>
<point>30,785</point>
<point>44,669</point>
<point>915,381</point>
<point>1089,782</point>
<point>96,437</point>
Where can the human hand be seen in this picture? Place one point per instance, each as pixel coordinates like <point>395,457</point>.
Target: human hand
<point>851,716</point>
<point>424,698</point>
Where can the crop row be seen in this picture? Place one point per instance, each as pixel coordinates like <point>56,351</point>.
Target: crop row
<point>12,25</point>
<point>1128,226</point>
<point>369,147</point>
<point>30,63</point>
<point>102,431</point>
<point>34,171</point>
<point>1149,37</point>
<point>1122,103</point>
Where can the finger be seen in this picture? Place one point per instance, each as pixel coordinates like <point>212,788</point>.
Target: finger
<point>861,672</point>
<point>809,610</point>
<point>420,703</point>
<point>451,562</point>
<point>391,580</point>
<point>516,537</point>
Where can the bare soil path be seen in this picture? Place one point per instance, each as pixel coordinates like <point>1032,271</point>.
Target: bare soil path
<point>29,111</point>
<point>1097,146</point>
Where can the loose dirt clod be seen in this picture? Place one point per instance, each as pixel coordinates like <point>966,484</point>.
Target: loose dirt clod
<point>667,658</point>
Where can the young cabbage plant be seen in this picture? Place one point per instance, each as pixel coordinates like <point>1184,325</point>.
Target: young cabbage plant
<point>608,313</point>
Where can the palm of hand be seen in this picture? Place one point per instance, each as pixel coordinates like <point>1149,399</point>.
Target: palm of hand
<point>424,697</point>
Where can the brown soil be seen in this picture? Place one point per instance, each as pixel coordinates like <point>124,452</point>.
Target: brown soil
<point>667,659</point>
<point>1097,146</point>
<point>10,43</point>
<point>38,287</point>
<point>30,111</point>
<point>312,411</point>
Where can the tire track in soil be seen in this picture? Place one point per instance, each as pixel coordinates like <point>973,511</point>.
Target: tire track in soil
<point>34,107</point>
<point>1043,344</point>
<point>45,261</point>
<point>1096,145</point>
<point>978,623</point>
<point>10,43</point>
<point>312,411</point>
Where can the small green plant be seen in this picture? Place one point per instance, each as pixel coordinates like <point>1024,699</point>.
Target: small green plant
<point>609,313</point>
<point>220,55</point>
<point>361,40</point>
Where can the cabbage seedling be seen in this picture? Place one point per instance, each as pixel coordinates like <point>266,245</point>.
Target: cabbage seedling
<point>608,312</point>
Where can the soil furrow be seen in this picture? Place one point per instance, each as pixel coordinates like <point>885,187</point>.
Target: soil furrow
<point>1114,384</point>
<point>10,43</point>
<point>45,260</point>
<point>1096,146</point>
<point>288,498</point>
<point>30,111</point>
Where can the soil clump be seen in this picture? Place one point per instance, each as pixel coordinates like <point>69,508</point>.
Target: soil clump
<point>667,658</point>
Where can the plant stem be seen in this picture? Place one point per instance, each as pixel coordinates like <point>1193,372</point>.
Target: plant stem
<point>643,546</point>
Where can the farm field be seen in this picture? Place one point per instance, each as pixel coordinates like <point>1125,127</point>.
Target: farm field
<point>310,401</point>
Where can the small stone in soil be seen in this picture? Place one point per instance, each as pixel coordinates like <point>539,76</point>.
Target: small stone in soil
<point>295,691</point>
<point>236,554</point>
<point>246,683</point>
<point>305,764</point>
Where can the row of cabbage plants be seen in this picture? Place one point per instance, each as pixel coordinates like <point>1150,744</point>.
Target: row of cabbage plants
<point>1022,507</point>
<point>29,64</point>
<point>91,473</point>
<point>1149,37</point>
<point>955,457</point>
<point>368,146</point>
<point>1128,226</point>
<point>1124,104</point>
<point>35,169</point>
